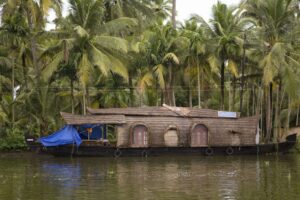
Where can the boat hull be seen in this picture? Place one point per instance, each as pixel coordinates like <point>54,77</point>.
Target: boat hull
<point>109,151</point>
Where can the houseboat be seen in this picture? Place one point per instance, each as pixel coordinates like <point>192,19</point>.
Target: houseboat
<point>147,131</point>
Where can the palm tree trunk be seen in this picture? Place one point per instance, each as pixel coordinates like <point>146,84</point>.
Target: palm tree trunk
<point>141,97</point>
<point>169,89</point>
<point>24,71</point>
<point>199,88</point>
<point>229,96</point>
<point>222,85</point>
<point>233,93</point>
<point>174,13</point>
<point>84,100</point>
<point>131,91</point>
<point>243,75</point>
<point>13,95</point>
<point>72,96</point>
<point>297,118</point>
<point>276,121</point>
<point>262,95</point>
<point>287,125</point>
<point>253,100</point>
<point>173,97</point>
<point>156,93</point>
<point>162,97</point>
<point>242,82</point>
<point>33,44</point>
<point>190,88</point>
<point>269,112</point>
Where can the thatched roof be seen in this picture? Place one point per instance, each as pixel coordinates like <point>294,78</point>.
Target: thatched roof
<point>92,119</point>
<point>161,111</point>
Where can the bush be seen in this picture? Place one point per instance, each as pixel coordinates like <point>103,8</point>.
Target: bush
<point>13,141</point>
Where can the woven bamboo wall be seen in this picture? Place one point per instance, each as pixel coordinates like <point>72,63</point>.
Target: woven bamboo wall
<point>222,132</point>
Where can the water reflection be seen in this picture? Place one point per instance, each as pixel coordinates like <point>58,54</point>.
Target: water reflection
<point>248,177</point>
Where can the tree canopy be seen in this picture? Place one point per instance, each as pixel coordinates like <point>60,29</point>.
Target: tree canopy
<point>119,53</point>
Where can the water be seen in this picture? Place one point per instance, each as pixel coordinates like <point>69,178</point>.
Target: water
<point>35,177</point>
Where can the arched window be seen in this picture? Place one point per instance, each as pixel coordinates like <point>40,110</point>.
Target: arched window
<point>139,136</point>
<point>199,136</point>
<point>171,137</point>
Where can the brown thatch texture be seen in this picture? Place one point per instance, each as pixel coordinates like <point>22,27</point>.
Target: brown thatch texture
<point>92,119</point>
<point>158,111</point>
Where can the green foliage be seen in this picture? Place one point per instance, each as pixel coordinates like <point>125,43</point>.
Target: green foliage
<point>120,53</point>
<point>12,141</point>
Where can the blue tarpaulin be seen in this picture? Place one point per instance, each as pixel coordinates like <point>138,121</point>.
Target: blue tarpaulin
<point>66,135</point>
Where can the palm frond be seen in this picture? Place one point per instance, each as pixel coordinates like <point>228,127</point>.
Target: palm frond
<point>159,73</point>
<point>112,43</point>
<point>52,66</point>
<point>119,25</point>
<point>85,70</point>
<point>171,57</point>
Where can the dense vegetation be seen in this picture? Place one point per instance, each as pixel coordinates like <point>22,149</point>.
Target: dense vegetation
<point>119,53</point>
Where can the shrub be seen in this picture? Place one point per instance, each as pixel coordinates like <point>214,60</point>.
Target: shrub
<point>12,141</point>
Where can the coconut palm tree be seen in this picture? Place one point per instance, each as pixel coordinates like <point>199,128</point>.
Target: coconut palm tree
<point>277,31</point>
<point>198,54</point>
<point>162,49</point>
<point>36,13</point>
<point>227,26</point>
<point>95,42</point>
<point>14,38</point>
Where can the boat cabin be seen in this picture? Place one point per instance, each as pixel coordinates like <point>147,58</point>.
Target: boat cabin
<point>166,126</point>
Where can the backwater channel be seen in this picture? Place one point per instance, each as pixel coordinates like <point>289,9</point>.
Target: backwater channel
<point>28,176</point>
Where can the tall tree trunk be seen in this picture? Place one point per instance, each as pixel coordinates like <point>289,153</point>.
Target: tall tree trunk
<point>199,86</point>
<point>190,88</point>
<point>24,71</point>
<point>84,100</point>
<point>162,97</point>
<point>297,118</point>
<point>33,43</point>
<point>287,125</point>
<point>262,95</point>
<point>229,96</point>
<point>13,95</point>
<point>277,117</point>
<point>156,92</point>
<point>222,85</point>
<point>88,100</point>
<point>269,112</point>
<point>173,97</point>
<point>253,100</point>
<point>174,13</point>
<point>243,75</point>
<point>169,89</point>
<point>72,95</point>
<point>131,91</point>
<point>141,97</point>
<point>233,93</point>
